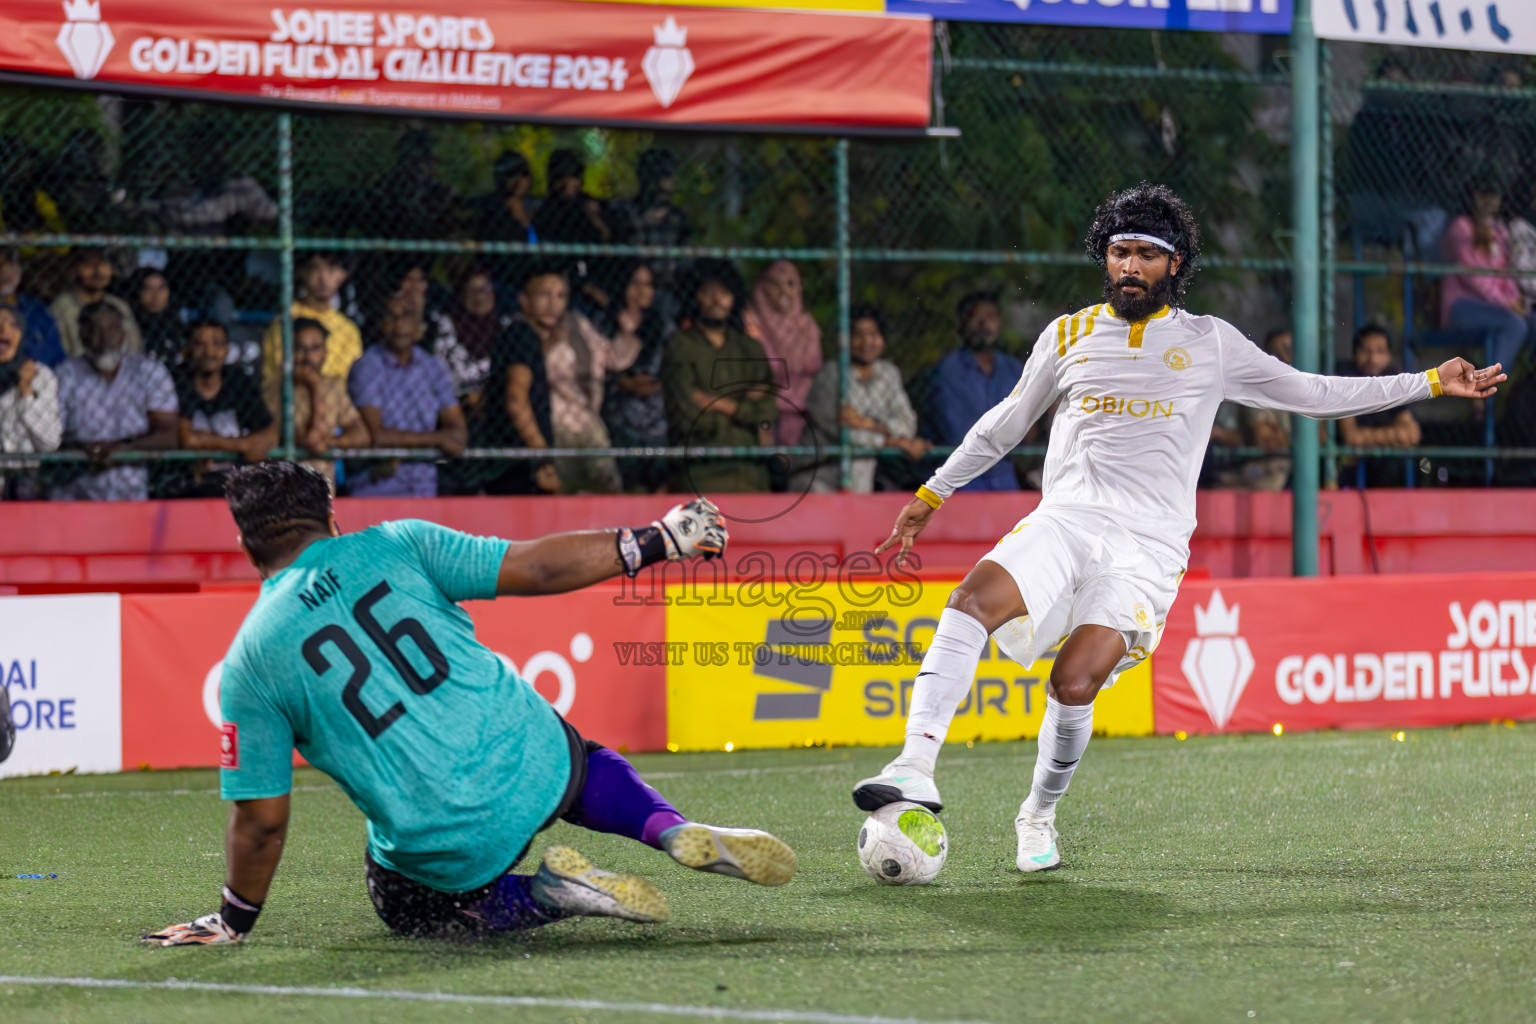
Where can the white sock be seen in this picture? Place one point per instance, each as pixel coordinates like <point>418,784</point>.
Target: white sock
<point>1064,736</point>
<point>948,668</point>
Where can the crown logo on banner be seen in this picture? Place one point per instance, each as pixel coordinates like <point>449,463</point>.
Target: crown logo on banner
<point>1216,619</point>
<point>668,64</point>
<point>84,39</point>
<point>669,33</point>
<point>82,10</point>
<point>1218,662</point>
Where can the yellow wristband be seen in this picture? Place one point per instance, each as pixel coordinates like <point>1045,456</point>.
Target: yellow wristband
<point>932,500</point>
<point>1433,376</point>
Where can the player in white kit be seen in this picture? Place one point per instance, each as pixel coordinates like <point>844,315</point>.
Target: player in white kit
<point>1097,564</point>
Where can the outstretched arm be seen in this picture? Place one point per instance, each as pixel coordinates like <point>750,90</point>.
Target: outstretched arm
<point>570,561</point>
<point>559,562</point>
<point>1257,379</point>
<point>1005,424</point>
<point>253,845</point>
<point>994,436</point>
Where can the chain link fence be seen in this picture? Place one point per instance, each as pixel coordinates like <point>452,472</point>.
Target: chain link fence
<point>1434,197</point>
<point>422,306</point>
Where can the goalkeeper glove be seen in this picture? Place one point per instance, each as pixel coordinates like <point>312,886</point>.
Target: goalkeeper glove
<point>233,922</point>
<point>208,930</point>
<point>696,528</point>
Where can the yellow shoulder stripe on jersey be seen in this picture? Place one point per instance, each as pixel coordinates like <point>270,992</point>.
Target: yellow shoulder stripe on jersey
<point>1433,376</point>
<point>1140,326</point>
<point>1071,330</point>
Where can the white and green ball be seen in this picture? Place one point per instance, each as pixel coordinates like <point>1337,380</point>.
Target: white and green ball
<point>903,844</point>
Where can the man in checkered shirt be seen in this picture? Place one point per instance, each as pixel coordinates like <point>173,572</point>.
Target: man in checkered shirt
<point>113,401</point>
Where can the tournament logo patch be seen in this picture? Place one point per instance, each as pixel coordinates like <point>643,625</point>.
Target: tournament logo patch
<point>1177,359</point>
<point>229,746</point>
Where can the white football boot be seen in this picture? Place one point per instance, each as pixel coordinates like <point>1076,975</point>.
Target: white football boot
<point>745,853</point>
<point>900,780</point>
<point>1037,843</point>
<point>569,882</point>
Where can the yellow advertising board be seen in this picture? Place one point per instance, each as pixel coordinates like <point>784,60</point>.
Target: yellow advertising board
<point>778,665</point>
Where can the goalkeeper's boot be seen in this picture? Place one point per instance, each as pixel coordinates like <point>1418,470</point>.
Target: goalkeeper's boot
<point>1037,842</point>
<point>746,853</point>
<point>568,882</point>
<point>901,780</point>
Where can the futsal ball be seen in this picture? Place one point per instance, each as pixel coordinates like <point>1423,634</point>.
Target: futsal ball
<point>903,844</point>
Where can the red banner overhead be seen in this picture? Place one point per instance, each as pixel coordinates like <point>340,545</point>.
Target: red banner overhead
<point>535,59</point>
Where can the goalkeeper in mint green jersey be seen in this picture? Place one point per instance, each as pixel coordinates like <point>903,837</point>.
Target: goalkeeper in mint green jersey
<point>358,655</point>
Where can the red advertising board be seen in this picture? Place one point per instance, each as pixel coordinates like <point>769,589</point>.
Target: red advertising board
<point>569,646</point>
<point>534,59</point>
<point>1348,653</point>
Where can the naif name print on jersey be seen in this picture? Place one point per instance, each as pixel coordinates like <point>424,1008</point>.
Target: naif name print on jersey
<point>322,590</point>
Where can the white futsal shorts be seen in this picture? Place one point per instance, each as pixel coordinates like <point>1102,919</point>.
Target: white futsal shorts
<point>1077,567</point>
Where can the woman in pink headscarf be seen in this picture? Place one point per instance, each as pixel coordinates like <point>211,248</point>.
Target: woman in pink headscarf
<point>777,318</point>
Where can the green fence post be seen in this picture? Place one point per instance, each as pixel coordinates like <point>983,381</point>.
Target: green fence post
<point>1306,277</point>
<point>285,258</point>
<point>844,299</point>
<point>1330,249</point>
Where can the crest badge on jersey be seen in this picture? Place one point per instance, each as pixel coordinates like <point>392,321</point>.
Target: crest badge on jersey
<point>1177,359</point>
<point>1142,618</point>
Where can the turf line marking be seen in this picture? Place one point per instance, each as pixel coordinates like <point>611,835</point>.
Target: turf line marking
<point>405,995</point>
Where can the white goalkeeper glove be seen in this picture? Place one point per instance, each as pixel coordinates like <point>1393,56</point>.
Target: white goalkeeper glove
<point>208,930</point>
<point>696,528</point>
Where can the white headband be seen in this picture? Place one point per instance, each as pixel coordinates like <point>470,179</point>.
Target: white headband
<point>1161,243</point>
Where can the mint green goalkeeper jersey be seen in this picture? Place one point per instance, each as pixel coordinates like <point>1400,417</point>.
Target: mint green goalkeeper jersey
<point>358,655</point>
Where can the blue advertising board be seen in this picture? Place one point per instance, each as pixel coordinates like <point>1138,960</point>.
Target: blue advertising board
<point>1272,16</point>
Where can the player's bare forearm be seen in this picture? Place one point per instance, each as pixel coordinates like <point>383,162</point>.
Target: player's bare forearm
<point>570,561</point>
<point>253,845</point>
<point>558,563</point>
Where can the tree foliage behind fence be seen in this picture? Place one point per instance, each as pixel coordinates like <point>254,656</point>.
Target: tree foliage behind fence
<point>1049,121</point>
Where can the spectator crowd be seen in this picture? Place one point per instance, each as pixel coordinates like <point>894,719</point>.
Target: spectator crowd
<point>125,364</point>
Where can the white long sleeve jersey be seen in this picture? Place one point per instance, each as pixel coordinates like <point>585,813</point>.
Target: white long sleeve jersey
<point>1137,403</point>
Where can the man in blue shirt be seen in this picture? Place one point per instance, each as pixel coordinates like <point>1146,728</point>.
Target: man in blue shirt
<point>971,379</point>
<point>405,396</point>
<point>40,335</point>
<point>358,654</point>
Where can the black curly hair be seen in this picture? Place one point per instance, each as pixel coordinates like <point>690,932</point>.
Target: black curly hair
<point>1149,209</point>
<point>276,503</point>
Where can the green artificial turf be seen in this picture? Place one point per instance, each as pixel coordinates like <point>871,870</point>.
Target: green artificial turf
<point>1326,877</point>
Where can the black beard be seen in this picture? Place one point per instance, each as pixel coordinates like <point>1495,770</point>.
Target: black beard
<point>712,323</point>
<point>1138,305</point>
<point>978,342</point>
